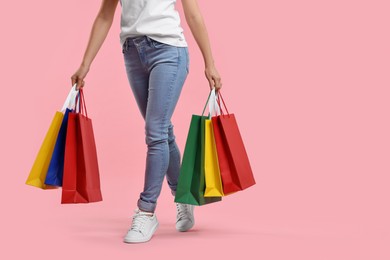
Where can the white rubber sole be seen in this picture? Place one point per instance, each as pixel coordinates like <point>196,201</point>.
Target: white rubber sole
<point>145,239</point>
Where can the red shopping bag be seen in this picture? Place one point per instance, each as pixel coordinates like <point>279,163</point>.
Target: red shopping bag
<point>235,169</point>
<point>81,181</point>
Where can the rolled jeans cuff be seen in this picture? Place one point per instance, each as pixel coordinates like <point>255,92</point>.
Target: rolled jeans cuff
<point>146,206</point>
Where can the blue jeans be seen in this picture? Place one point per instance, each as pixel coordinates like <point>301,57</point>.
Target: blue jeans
<point>156,73</point>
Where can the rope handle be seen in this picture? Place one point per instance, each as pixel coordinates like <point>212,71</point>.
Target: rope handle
<point>80,103</point>
<point>217,103</point>
<point>206,103</point>
<point>223,101</point>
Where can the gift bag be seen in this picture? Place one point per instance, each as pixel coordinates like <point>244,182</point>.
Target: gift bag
<point>81,180</point>
<point>191,182</point>
<point>41,164</point>
<point>235,169</point>
<point>212,172</point>
<point>56,166</point>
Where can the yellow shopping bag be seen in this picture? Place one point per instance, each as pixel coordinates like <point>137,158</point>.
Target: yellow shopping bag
<point>39,169</point>
<point>212,173</point>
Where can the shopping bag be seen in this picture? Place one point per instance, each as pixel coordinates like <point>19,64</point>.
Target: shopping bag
<point>230,182</point>
<point>235,169</point>
<point>191,183</point>
<point>81,180</point>
<point>212,172</point>
<point>56,167</point>
<point>41,164</point>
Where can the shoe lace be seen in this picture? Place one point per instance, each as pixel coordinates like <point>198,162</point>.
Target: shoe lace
<point>139,221</point>
<point>182,210</point>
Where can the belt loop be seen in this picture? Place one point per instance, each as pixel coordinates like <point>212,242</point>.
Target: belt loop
<point>147,39</point>
<point>124,45</point>
<point>134,40</point>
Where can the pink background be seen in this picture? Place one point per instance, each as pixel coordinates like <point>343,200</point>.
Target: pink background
<point>309,84</point>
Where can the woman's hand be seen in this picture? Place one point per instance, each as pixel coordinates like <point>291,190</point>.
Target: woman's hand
<point>79,75</point>
<point>213,77</point>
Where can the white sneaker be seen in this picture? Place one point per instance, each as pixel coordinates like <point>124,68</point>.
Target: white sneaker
<point>143,227</point>
<point>185,217</point>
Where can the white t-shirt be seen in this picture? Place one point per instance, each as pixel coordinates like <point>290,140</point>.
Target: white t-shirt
<point>157,19</point>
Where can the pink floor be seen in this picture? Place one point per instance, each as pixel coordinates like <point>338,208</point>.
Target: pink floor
<point>273,224</point>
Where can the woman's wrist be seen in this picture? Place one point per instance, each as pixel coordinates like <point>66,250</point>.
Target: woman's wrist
<point>209,64</point>
<point>85,65</point>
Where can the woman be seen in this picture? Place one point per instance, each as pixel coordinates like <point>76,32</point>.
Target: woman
<point>157,63</point>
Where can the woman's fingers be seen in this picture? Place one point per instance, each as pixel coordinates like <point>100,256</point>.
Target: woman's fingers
<point>73,79</point>
<point>78,77</point>
<point>215,82</point>
<point>211,82</point>
<point>80,83</point>
<point>218,83</point>
<point>213,77</point>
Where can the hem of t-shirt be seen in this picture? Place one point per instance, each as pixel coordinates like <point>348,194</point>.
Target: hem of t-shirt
<point>177,43</point>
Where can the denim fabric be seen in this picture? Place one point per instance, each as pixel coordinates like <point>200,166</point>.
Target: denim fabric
<point>156,72</point>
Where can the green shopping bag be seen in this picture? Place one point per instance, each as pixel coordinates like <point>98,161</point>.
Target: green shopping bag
<point>191,183</point>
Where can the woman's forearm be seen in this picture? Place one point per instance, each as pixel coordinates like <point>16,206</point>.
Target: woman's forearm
<point>200,34</point>
<point>98,34</point>
<point>198,29</point>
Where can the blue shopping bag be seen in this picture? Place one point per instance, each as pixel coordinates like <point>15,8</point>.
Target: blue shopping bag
<point>56,167</point>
